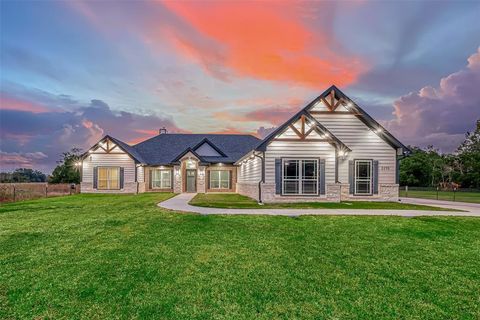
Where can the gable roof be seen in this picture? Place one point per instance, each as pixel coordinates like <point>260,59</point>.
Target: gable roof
<point>368,120</point>
<point>122,145</point>
<point>321,129</point>
<point>211,144</point>
<point>165,149</point>
<point>350,104</point>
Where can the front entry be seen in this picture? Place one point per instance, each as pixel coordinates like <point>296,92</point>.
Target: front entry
<point>191,185</point>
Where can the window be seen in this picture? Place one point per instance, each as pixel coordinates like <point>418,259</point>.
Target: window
<point>363,177</point>
<point>108,178</point>
<point>219,179</point>
<point>300,177</point>
<point>161,179</point>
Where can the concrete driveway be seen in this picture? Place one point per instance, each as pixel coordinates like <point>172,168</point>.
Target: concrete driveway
<point>180,203</point>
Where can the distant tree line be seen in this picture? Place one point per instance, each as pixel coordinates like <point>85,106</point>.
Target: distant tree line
<point>23,175</point>
<point>429,168</point>
<point>64,172</point>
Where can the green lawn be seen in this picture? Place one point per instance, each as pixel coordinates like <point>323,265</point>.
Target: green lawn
<point>462,196</point>
<point>120,256</point>
<point>231,200</point>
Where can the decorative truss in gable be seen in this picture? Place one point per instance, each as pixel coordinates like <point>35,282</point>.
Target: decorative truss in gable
<point>331,102</point>
<point>106,145</point>
<point>307,128</point>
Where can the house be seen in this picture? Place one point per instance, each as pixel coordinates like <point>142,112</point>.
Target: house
<point>331,150</point>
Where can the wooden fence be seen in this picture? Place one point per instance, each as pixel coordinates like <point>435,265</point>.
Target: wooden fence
<point>11,192</point>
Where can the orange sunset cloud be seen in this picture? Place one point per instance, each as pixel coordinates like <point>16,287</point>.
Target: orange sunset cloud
<point>260,40</point>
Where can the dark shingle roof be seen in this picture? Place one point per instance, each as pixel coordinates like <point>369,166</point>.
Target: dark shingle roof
<point>164,148</point>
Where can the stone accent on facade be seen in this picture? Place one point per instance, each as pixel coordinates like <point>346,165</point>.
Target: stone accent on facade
<point>201,177</point>
<point>177,179</point>
<point>142,187</point>
<point>344,191</point>
<point>248,189</point>
<point>333,192</point>
<point>388,191</point>
<point>269,196</point>
<point>128,187</point>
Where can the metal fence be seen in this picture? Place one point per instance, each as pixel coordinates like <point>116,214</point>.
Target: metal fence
<point>450,194</point>
<point>11,192</point>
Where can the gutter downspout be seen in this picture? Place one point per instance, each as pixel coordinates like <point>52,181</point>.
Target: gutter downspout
<point>336,164</point>
<point>262,179</point>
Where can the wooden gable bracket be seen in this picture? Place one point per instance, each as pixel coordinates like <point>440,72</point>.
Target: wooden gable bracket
<point>331,105</point>
<point>302,134</point>
<point>109,147</point>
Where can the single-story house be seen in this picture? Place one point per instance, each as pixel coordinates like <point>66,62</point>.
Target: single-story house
<point>331,150</point>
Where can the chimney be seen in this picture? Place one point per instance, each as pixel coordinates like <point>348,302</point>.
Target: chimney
<point>162,131</point>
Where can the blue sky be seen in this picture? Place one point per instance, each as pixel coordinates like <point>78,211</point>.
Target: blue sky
<point>72,72</point>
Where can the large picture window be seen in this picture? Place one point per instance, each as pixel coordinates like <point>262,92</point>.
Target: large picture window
<point>108,178</point>
<point>363,177</point>
<point>220,179</point>
<point>300,176</point>
<point>161,179</point>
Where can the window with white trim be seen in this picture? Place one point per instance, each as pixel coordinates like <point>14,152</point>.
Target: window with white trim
<point>363,177</point>
<point>219,179</point>
<point>161,179</point>
<point>108,178</point>
<point>300,177</point>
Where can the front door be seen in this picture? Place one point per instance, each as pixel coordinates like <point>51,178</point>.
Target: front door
<point>191,180</point>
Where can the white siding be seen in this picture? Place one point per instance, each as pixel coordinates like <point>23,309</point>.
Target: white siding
<point>108,160</point>
<point>299,149</point>
<point>364,143</point>
<point>250,172</point>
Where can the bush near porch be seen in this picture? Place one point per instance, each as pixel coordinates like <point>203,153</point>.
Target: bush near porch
<point>95,256</point>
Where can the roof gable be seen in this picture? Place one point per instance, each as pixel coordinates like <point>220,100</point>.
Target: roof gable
<point>109,144</point>
<point>306,128</point>
<point>334,101</point>
<point>208,149</point>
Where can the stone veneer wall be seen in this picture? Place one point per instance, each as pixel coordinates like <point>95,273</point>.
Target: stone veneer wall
<point>248,189</point>
<point>142,187</point>
<point>177,179</point>
<point>269,196</point>
<point>128,187</point>
<point>335,192</point>
<point>386,192</point>
<point>201,173</point>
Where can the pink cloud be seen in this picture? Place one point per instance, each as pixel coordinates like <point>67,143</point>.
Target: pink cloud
<point>10,103</point>
<point>20,160</point>
<point>440,115</point>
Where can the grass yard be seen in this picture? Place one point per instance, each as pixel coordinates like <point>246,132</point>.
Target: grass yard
<point>120,256</point>
<point>462,196</point>
<point>232,201</point>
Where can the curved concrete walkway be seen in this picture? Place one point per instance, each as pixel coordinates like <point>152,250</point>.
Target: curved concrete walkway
<point>180,203</point>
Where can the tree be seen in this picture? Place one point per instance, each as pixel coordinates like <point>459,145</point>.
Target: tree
<point>66,170</point>
<point>468,154</point>
<point>421,168</point>
<point>23,175</point>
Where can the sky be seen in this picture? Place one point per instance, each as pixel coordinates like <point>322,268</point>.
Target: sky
<point>74,71</point>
